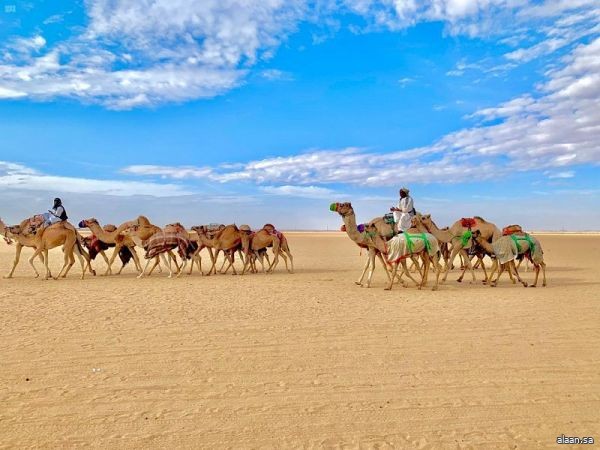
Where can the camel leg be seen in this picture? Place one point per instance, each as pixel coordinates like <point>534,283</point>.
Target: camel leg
<point>142,274</point>
<point>438,270</point>
<point>514,267</point>
<point>36,253</point>
<point>425,271</point>
<point>362,275</point>
<point>543,266</point>
<point>48,274</point>
<point>454,251</point>
<point>372,262</point>
<point>80,257</point>
<point>136,259</point>
<point>407,272</point>
<point>112,259</point>
<point>183,266</point>
<point>384,265</point>
<point>65,264</point>
<point>71,260</point>
<point>156,264</point>
<point>18,250</point>
<point>393,277</point>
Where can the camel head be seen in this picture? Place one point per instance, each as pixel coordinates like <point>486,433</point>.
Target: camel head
<point>477,236</point>
<point>87,222</point>
<point>343,209</point>
<point>425,220</point>
<point>3,230</point>
<point>245,229</point>
<point>374,239</point>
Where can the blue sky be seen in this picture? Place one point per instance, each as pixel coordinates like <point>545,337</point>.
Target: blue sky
<point>267,111</point>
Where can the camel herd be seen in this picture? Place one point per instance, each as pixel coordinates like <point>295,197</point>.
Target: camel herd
<point>425,243</point>
<point>159,244</point>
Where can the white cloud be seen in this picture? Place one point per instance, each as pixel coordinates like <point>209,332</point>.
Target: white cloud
<point>177,50</point>
<point>556,127</point>
<point>277,75</point>
<point>298,191</point>
<point>19,177</point>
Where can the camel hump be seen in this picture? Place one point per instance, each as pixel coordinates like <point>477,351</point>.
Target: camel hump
<point>481,219</point>
<point>109,228</point>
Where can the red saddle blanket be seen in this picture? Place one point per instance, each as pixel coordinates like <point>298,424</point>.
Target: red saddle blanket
<point>468,222</point>
<point>511,229</point>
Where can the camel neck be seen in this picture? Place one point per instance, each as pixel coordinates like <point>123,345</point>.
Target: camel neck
<point>352,229</point>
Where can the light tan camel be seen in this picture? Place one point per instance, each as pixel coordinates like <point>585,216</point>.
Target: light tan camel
<point>507,248</point>
<point>23,240</point>
<point>58,234</point>
<point>116,237</point>
<point>228,240</point>
<point>62,233</point>
<point>284,249</point>
<point>413,243</point>
<point>458,236</point>
<point>375,248</point>
<point>254,242</point>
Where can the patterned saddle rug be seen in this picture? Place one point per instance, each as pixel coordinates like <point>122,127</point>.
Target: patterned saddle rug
<point>162,242</point>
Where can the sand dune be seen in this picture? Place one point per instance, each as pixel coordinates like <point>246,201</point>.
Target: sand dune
<point>302,360</point>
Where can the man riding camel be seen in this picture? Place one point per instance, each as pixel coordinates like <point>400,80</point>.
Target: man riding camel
<point>57,213</point>
<point>405,211</point>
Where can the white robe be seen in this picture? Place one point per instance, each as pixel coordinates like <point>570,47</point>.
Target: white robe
<point>404,217</point>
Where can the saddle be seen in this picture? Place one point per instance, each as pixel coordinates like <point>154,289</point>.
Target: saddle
<point>512,229</point>
<point>468,222</point>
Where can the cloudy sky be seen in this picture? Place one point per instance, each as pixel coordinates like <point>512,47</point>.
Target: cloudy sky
<point>251,111</point>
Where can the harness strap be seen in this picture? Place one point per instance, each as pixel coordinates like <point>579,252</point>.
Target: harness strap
<point>525,238</point>
<point>410,243</point>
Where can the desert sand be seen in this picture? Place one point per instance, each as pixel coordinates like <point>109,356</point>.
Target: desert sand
<point>305,360</point>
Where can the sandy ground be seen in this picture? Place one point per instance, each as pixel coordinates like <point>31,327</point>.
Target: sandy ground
<point>302,360</point>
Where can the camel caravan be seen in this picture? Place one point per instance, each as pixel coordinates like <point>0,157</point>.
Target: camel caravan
<point>424,244</point>
<point>172,245</point>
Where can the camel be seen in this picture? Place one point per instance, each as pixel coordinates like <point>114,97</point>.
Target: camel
<point>61,233</point>
<point>193,251</point>
<point>255,242</point>
<point>23,240</point>
<point>157,243</point>
<point>284,249</point>
<point>114,238</point>
<point>507,248</point>
<point>227,239</point>
<point>458,236</point>
<point>376,248</point>
<point>414,242</point>
<point>58,234</point>
<point>97,247</point>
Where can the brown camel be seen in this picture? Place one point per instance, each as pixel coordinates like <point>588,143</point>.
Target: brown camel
<point>284,249</point>
<point>97,247</point>
<point>228,239</point>
<point>458,236</point>
<point>159,243</point>
<point>255,242</point>
<point>376,248</point>
<point>507,248</point>
<point>115,237</point>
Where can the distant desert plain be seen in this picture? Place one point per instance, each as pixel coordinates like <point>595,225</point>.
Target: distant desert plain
<point>303,360</point>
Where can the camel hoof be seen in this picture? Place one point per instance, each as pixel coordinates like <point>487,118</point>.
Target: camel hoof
<point>435,288</point>
<point>6,277</point>
<point>387,289</point>
<point>533,285</point>
<point>459,280</point>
